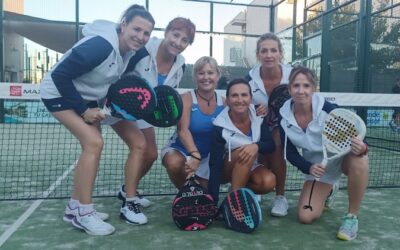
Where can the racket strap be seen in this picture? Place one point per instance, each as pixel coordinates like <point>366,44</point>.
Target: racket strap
<point>309,200</point>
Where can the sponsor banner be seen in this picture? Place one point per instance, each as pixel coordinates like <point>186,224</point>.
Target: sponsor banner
<point>21,91</point>
<point>21,111</point>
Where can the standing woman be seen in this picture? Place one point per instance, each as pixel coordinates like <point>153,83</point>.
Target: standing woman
<point>72,91</point>
<point>302,119</point>
<point>160,62</point>
<point>239,136</point>
<point>263,78</point>
<point>195,128</point>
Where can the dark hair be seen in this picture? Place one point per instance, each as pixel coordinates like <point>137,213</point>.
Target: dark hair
<point>299,69</point>
<point>269,36</point>
<point>134,11</point>
<point>235,82</point>
<point>180,23</point>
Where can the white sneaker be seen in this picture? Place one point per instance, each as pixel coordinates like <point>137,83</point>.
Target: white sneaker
<point>92,224</point>
<point>332,196</point>
<point>142,201</point>
<point>130,212</point>
<point>70,213</point>
<point>279,206</point>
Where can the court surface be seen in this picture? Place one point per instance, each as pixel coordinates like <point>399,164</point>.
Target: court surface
<point>43,228</point>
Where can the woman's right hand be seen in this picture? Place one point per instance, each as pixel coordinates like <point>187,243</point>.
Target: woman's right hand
<point>191,166</point>
<point>317,170</point>
<point>92,115</point>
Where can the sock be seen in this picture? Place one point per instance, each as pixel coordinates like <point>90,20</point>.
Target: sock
<point>85,208</point>
<point>134,198</point>
<point>73,203</point>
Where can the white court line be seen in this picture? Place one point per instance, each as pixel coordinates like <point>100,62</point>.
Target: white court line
<point>14,227</point>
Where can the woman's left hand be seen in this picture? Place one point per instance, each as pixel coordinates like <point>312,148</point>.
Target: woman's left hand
<point>247,152</point>
<point>261,110</point>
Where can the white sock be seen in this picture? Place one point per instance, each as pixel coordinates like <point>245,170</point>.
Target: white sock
<point>85,208</point>
<point>73,203</point>
<point>134,198</point>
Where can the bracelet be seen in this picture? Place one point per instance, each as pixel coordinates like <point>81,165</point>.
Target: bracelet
<point>197,158</point>
<point>366,150</point>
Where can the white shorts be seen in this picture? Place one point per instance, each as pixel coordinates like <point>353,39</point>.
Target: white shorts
<point>203,171</point>
<point>111,120</point>
<point>332,174</point>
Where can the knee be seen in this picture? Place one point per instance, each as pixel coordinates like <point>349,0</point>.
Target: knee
<point>268,182</point>
<point>307,218</point>
<point>151,155</point>
<point>93,145</point>
<point>172,163</point>
<point>138,146</point>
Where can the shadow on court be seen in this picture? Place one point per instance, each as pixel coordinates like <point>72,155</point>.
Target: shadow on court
<point>379,223</point>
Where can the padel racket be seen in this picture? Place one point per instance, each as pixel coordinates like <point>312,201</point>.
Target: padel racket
<point>278,97</point>
<point>169,107</point>
<point>130,98</point>
<point>241,211</point>
<point>193,207</point>
<point>339,127</point>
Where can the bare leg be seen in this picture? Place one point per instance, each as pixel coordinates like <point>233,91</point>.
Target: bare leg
<point>318,196</point>
<point>356,169</point>
<point>174,163</point>
<point>151,154</point>
<point>91,142</point>
<point>135,140</point>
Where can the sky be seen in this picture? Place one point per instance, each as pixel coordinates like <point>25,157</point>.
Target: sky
<point>162,10</point>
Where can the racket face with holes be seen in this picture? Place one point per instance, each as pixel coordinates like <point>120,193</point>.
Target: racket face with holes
<point>339,127</point>
<point>278,97</point>
<point>130,98</point>
<point>169,107</point>
<point>241,211</point>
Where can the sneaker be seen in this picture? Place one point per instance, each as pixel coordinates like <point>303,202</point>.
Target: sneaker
<point>130,212</point>
<point>70,213</point>
<point>279,206</point>
<point>349,228</point>
<point>92,224</point>
<point>331,197</point>
<point>142,201</point>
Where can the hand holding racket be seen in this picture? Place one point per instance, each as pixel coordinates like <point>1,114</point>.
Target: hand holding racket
<point>130,98</point>
<point>169,107</point>
<point>340,126</point>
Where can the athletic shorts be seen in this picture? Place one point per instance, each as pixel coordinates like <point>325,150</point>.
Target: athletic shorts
<point>204,169</point>
<point>60,104</point>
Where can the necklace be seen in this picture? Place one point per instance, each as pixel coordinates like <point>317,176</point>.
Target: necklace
<point>205,99</point>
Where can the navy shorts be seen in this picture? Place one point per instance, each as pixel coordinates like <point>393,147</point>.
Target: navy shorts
<point>60,104</point>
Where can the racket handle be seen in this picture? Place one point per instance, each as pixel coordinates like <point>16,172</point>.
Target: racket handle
<point>106,111</point>
<point>324,162</point>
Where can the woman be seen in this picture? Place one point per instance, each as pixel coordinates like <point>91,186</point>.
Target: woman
<point>263,78</point>
<point>239,135</point>
<point>301,128</point>
<point>187,153</point>
<point>160,62</point>
<point>72,91</point>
